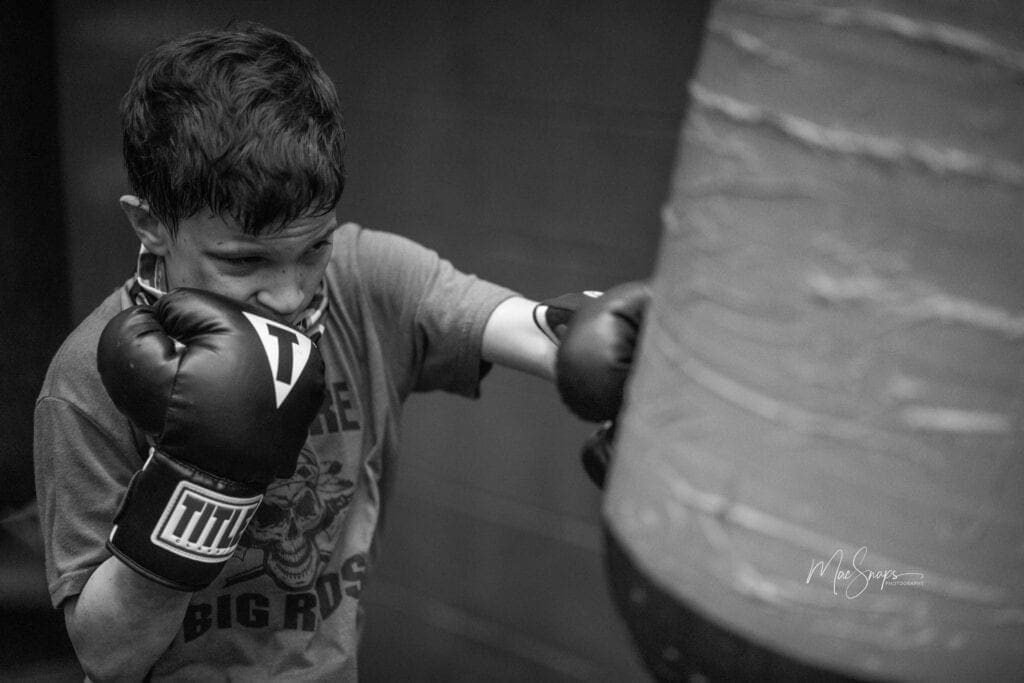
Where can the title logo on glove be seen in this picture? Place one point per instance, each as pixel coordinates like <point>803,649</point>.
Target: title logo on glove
<point>287,352</point>
<point>201,524</point>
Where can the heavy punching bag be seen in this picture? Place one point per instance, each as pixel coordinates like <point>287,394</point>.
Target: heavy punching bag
<point>821,455</point>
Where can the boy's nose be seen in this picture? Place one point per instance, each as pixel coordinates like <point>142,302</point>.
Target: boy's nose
<point>284,297</point>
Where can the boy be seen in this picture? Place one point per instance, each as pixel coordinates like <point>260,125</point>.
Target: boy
<point>233,144</point>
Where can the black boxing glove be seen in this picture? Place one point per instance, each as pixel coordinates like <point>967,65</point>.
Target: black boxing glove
<point>596,454</point>
<point>596,354</point>
<point>553,317</point>
<point>226,397</point>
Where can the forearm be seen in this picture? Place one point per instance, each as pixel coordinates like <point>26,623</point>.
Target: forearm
<point>122,622</point>
<point>512,339</point>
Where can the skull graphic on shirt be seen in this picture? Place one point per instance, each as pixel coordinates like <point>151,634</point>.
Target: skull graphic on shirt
<point>293,523</point>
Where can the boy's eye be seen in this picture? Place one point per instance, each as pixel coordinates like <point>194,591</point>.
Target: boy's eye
<point>240,260</point>
<point>317,249</point>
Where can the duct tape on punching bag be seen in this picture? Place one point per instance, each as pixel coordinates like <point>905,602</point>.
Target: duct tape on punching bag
<point>822,446</point>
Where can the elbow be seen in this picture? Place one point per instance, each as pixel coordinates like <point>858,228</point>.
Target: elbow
<point>96,672</point>
<point>105,665</point>
<point>100,659</point>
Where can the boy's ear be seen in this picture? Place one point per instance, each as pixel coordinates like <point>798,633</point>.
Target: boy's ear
<point>149,229</point>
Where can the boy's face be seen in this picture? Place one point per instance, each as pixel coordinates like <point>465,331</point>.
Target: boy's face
<point>277,273</point>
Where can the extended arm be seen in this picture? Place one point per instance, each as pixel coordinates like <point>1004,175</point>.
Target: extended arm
<point>584,342</point>
<point>598,329</point>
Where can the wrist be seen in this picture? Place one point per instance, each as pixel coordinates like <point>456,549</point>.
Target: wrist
<point>552,316</point>
<point>178,525</point>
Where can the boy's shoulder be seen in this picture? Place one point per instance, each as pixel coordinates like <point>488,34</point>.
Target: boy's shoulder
<point>362,251</point>
<point>74,365</point>
<point>357,241</point>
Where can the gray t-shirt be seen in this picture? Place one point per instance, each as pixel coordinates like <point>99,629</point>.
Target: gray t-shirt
<point>400,319</point>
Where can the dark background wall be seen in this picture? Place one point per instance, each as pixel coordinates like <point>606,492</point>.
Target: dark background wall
<point>35,313</point>
<point>529,143</point>
<point>33,257</point>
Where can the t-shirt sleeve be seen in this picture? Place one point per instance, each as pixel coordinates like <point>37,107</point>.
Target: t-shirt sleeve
<point>435,312</point>
<point>85,453</point>
<point>78,495</point>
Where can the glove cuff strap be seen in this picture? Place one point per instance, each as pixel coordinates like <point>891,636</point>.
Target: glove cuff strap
<point>552,316</point>
<point>178,525</point>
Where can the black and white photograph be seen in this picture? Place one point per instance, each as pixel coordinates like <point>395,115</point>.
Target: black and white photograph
<point>526,341</point>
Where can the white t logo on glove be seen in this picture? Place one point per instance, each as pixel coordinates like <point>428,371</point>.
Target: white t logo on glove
<point>286,350</point>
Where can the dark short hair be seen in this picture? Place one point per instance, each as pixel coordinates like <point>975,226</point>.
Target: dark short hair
<point>242,122</point>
